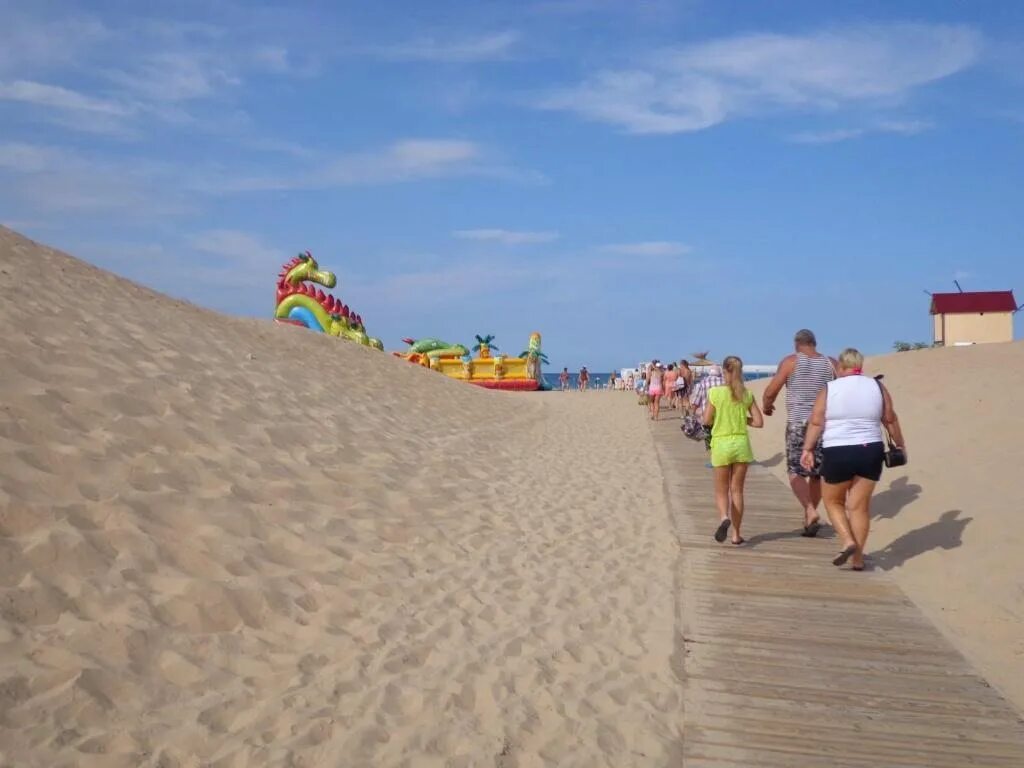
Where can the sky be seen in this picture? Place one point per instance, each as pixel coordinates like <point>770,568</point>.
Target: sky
<point>631,178</point>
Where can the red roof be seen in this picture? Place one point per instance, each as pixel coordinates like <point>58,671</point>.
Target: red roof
<point>971,302</point>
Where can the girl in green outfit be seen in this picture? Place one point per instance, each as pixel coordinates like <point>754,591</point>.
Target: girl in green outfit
<point>730,411</point>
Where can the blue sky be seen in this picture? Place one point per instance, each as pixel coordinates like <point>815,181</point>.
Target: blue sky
<point>632,178</point>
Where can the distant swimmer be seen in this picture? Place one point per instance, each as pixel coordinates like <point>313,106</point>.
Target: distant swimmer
<point>730,411</point>
<point>805,374</point>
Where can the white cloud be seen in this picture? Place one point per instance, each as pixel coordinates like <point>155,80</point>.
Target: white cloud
<point>696,87</point>
<point>239,247</point>
<point>505,236</point>
<point>176,76</point>
<point>904,127</point>
<point>648,248</point>
<point>19,225</point>
<point>28,158</point>
<point>140,72</point>
<point>645,9</point>
<point>29,44</point>
<point>53,179</point>
<point>489,47</point>
<point>56,97</point>
<point>832,136</point>
<point>407,160</point>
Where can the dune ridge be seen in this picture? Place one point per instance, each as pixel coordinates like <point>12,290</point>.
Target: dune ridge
<point>229,543</point>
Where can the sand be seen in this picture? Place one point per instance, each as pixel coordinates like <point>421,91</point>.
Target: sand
<point>229,543</point>
<point>948,526</point>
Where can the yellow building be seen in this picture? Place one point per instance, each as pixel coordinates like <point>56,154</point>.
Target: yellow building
<point>973,317</point>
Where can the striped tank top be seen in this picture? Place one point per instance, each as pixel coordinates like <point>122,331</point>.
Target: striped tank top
<point>810,376</point>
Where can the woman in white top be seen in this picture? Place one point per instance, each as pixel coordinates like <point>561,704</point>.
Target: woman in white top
<point>850,411</point>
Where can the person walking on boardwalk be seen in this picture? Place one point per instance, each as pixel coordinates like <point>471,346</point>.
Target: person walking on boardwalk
<point>713,378</point>
<point>685,383</point>
<point>804,374</point>
<point>670,379</point>
<point>655,388</point>
<point>730,411</point>
<point>848,416</point>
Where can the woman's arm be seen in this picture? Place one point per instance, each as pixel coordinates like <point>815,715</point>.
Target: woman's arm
<point>709,414</point>
<point>816,425</point>
<point>889,418</point>
<point>755,418</point>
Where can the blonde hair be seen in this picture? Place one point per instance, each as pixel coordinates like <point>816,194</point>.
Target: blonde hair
<point>851,359</point>
<point>734,367</point>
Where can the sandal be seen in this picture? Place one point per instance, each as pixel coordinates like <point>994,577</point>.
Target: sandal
<point>845,555</point>
<point>811,530</point>
<point>722,530</point>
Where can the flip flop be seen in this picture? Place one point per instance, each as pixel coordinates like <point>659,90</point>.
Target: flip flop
<point>856,567</point>
<point>723,528</point>
<point>810,531</point>
<point>739,543</point>
<point>845,555</point>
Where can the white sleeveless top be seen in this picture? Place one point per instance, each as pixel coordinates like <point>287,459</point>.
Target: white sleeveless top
<point>853,413</point>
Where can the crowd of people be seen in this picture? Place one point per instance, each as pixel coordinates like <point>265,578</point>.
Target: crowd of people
<point>841,428</point>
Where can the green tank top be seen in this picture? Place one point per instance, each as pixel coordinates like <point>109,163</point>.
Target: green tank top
<point>730,416</point>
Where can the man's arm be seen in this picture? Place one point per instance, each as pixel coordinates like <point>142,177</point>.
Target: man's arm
<point>783,372</point>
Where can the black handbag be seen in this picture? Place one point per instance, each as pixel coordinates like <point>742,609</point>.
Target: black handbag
<point>895,456</point>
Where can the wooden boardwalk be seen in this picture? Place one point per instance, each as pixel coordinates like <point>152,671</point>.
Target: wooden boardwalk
<point>788,661</point>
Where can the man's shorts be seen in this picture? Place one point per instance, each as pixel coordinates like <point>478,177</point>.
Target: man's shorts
<point>795,434</point>
<point>733,449</point>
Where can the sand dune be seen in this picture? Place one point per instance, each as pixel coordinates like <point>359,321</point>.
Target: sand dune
<point>948,526</point>
<point>228,543</point>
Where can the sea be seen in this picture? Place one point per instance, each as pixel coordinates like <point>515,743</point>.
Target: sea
<point>599,380</point>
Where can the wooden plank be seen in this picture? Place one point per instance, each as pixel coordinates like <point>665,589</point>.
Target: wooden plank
<point>789,662</point>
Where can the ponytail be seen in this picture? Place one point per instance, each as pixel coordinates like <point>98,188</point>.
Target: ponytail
<point>734,367</point>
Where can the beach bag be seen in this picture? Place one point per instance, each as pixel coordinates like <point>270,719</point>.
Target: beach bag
<point>692,427</point>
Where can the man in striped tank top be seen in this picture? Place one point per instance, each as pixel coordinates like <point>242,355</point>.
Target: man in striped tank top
<point>804,374</point>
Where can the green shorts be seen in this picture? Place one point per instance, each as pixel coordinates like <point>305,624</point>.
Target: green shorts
<point>731,449</point>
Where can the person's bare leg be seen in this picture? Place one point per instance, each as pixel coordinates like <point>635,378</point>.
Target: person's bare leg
<point>835,505</point>
<point>814,493</point>
<point>722,477</point>
<point>656,407</point>
<point>736,483</point>
<point>808,493</point>
<point>859,504</point>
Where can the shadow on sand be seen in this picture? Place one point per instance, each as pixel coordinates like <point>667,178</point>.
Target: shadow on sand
<point>890,502</point>
<point>945,533</point>
<point>774,461</point>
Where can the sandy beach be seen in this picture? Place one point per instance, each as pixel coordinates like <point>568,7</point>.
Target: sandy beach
<point>947,526</point>
<point>229,543</point>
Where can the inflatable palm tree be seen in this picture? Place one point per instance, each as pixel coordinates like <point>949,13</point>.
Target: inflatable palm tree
<point>484,345</point>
